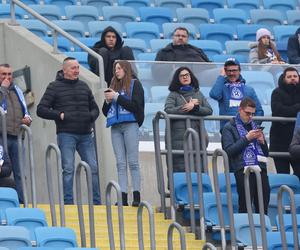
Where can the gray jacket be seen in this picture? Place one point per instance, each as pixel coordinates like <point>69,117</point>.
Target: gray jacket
<point>253,55</point>
<point>295,146</point>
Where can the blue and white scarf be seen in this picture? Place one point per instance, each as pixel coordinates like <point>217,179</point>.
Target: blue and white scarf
<point>236,93</point>
<point>1,155</point>
<point>253,153</point>
<point>22,101</point>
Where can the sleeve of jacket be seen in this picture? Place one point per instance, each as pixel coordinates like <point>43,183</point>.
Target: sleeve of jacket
<point>94,109</point>
<point>105,108</point>
<point>293,50</point>
<point>203,108</point>
<point>253,56</point>
<point>6,167</point>
<point>280,109</point>
<point>203,55</point>
<point>93,62</point>
<point>45,107</point>
<point>127,53</point>
<point>170,105</point>
<point>216,91</point>
<point>294,148</point>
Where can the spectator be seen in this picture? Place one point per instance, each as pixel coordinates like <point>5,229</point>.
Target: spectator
<point>246,146</point>
<point>13,102</point>
<point>293,48</point>
<point>185,98</point>
<point>124,109</point>
<point>70,103</point>
<point>264,50</point>
<point>230,88</point>
<point>5,170</point>
<point>111,48</point>
<point>295,152</point>
<point>285,102</point>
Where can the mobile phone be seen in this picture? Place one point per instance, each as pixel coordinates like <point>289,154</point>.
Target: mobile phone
<point>261,128</point>
<point>108,90</point>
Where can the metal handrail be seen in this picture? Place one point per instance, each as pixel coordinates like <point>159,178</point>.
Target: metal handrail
<point>151,225</point>
<point>247,172</point>
<point>180,230</point>
<point>88,173</point>
<point>110,185</point>
<point>220,152</point>
<point>22,162</point>
<point>4,129</point>
<point>55,148</point>
<point>208,245</point>
<point>285,188</point>
<point>60,31</point>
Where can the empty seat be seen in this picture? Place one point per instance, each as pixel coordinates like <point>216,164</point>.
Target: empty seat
<point>134,3</point>
<point>121,14</point>
<point>61,3</point>
<point>99,4</point>
<point>248,32</point>
<point>172,4</point>
<point>282,49</point>
<point>280,5</point>
<point>74,28</point>
<point>63,44</point>
<point>80,56</point>
<point>274,240</point>
<point>209,5</point>
<point>142,30</point>
<point>35,26</point>
<point>96,27</point>
<point>137,45</point>
<point>168,29</point>
<point>157,44</point>
<point>245,5</point>
<point>8,198</point>
<point>84,14</point>
<point>230,16</point>
<point>150,111</point>
<point>159,93</point>
<point>5,11</point>
<point>87,41</point>
<point>194,16</point>
<point>146,56</point>
<point>219,32</point>
<point>276,180</point>
<point>266,17</point>
<point>51,12</point>
<point>288,223</point>
<point>222,183</point>
<point>237,47</point>
<point>158,15</point>
<point>14,237</point>
<point>222,58</point>
<point>283,32</point>
<point>293,17</point>
<point>210,47</point>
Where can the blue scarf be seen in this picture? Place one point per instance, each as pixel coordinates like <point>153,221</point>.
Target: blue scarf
<point>186,88</point>
<point>1,155</point>
<point>236,92</point>
<point>22,101</point>
<point>253,150</point>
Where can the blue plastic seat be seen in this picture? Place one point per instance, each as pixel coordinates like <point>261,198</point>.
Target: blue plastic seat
<point>222,58</point>
<point>146,56</point>
<point>121,14</point>
<point>293,17</point>
<point>61,3</point>
<point>157,15</point>
<point>172,4</point>
<point>58,237</point>
<point>134,3</point>
<point>248,31</point>
<point>242,228</point>
<point>282,49</point>
<point>137,45</point>
<point>5,12</point>
<point>245,5</point>
<point>237,48</point>
<point>168,29</point>
<point>99,4</point>
<point>8,198</point>
<point>83,13</point>
<point>259,79</point>
<point>287,222</point>
<point>80,56</point>
<point>150,110</point>
<point>230,16</point>
<point>283,32</point>
<point>222,183</point>
<point>274,241</point>
<point>157,44</point>
<point>30,218</point>
<point>194,16</point>
<point>14,237</point>
<point>87,41</point>
<point>219,32</point>
<point>96,27</point>
<point>276,180</point>
<point>63,43</point>
<point>35,26</point>
<point>209,5</point>
<point>74,28</point>
<point>280,5</point>
<point>273,207</point>
<point>51,12</point>
<point>266,17</point>
<point>210,47</point>
<point>159,93</point>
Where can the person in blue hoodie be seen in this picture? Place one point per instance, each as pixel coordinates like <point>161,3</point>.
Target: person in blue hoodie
<point>230,88</point>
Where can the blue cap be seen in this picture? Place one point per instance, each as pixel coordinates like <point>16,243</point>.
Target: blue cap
<point>231,61</point>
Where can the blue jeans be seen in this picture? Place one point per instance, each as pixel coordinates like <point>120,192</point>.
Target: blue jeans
<point>125,141</point>
<point>84,145</point>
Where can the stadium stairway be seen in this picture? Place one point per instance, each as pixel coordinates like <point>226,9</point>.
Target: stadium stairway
<point>130,228</point>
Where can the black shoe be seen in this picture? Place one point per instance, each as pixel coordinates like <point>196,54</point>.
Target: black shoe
<point>124,200</point>
<point>136,199</point>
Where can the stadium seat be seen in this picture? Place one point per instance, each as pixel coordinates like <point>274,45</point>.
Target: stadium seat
<point>248,31</point>
<point>219,32</point>
<point>259,79</point>
<point>137,45</point>
<point>96,27</point>
<point>142,30</point>
<point>8,198</point>
<point>287,222</point>
<point>159,93</point>
<point>194,16</point>
<point>58,237</point>
<point>121,14</point>
<point>74,28</point>
<point>63,43</point>
<point>230,16</point>
<point>99,4</point>
<point>245,5</point>
<point>35,26</point>
<point>222,183</point>
<point>30,218</point>
<point>237,48</point>
<point>172,4</point>
<point>242,228</point>
<point>293,17</point>
<point>266,17</point>
<point>280,5</point>
<point>274,240</point>
<point>168,29</point>
<point>146,56</point>
<point>134,3</point>
<point>157,44</point>
<point>83,13</point>
<point>283,32</point>
<point>5,12</point>
<point>51,12</point>
<point>276,180</point>
<point>210,47</point>
<point>150,111</point>
<point>61,3</point>
<point>282,49</point>
<point>14,237</point>
<point>81,57</point>
<point>209,5</point>
<point>87,41</point>
<point>157,15</point>
<point>222,58</point>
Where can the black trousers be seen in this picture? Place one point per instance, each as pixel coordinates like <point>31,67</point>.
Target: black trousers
<point>283,165</point>
<point>240,185</point>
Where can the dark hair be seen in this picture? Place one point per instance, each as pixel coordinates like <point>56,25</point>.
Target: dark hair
<point>231,63</point>
<point>182,28</point>
<point>175,83</point>
<point>289,69</point>
<point>247,102</point>
<point>69,58</point>
<point>262,50</point>
<point>5,65</point>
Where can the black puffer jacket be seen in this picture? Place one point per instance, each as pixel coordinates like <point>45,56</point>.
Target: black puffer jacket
<point>73,98</point>
<point>119,52</point>
<point>293,48</point>
<point>285,102</point>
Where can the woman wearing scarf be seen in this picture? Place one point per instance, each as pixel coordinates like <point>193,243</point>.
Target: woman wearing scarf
<point>264,50</point>
<point>124,109</point>
<point>245,146</point>
<point>185,98</point>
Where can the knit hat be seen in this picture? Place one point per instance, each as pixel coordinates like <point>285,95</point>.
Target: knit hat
<point>231,61</point>
<point>262,32</point>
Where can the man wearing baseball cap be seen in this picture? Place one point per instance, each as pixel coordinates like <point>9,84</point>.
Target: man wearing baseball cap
<point>230,88</point>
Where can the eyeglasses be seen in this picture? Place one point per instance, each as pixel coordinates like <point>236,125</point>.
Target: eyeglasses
<point>249,113</point>
<point>185,75</point>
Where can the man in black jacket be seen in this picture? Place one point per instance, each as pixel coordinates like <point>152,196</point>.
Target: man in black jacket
<point>70,103</point>
<point>293,48</point>
<point>111,48</point>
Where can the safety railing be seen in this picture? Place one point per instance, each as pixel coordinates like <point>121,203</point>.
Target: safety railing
<point>283,189</point>
<point>115,185</point>
<point>4,129</point>
<point>52,147</point>
<point>208,246</point>
<point>83,165</point>
<point>22,164</point>
<point>146,205</point>
<point>179,228</point>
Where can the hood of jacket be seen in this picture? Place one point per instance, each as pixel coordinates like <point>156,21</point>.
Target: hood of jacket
<point>101,43</point>
<point>253,45</point>
<point>287,87</point>
<point>297,32</point>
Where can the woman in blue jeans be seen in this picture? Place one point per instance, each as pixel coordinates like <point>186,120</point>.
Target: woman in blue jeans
<point>124,109</point>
